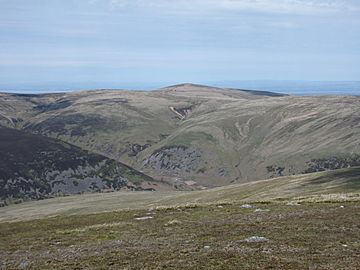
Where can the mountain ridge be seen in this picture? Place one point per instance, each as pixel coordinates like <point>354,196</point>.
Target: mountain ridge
<point>198,137</point>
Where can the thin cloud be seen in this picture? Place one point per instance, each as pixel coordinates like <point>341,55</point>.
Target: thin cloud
<point>40,61</point>
<point>265,6</point>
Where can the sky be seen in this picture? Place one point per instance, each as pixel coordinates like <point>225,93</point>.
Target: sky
<point>71,44</point>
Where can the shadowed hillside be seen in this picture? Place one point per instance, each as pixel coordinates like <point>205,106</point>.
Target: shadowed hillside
<point>33,166</point>
<point>194,136</point>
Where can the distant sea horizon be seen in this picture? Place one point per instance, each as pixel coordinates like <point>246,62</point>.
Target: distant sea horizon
<point>297,87</point>
<point>291,87</point>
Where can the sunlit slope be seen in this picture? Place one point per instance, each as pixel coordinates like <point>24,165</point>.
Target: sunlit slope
<point>257,139</point>
<point>197,134</point>
<point>335,185</point>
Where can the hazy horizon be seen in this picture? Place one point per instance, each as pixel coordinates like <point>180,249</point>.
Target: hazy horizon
<point>116,43</point>
<point>292,87</point>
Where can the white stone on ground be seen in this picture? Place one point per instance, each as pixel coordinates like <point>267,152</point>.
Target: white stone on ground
<point>256,239</point>
<point>143,218</point>
<point>261,210</point>
<point>292,203</point>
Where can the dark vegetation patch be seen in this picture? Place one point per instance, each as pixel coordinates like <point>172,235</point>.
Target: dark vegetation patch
<point>77,124</point>
<point>33,166</point>
<point>316,165</point>
<point>275,171</point>
<point>32,96</point>
<point>18,149</point>
<point>54,106</point>
<point>108,102</point>
<point>263,93</point>
<point>25,95</point>
<point>332,163</point>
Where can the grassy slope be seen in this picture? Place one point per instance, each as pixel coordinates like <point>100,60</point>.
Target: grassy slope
<point>246,136</point>
<point>321,235</point>
<point>239,134</point>
<point>310,236</point>
<point>303,187</point>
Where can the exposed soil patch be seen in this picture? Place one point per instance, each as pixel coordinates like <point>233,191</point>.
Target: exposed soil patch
<point>182,112</point>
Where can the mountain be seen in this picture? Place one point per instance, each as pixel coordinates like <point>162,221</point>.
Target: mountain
<point>35,167</point>
<point>198,136</point>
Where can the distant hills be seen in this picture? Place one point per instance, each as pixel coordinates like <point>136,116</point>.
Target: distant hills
<point>299,87</point>
<point>293,87</point>
<point>188,136</point>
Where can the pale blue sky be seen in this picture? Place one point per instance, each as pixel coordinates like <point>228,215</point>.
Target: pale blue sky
<point>59,44</point>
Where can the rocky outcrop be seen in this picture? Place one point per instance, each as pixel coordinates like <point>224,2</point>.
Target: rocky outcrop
<point>137,148</point>
<point>315,165</point>
<point>174,160</point>
<point>332,163</point>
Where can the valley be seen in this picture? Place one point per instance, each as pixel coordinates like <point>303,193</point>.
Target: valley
<point>197,134</point>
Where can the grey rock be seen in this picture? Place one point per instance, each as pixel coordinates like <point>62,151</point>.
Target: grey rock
<point>24,265</point>
<point>256,239</point>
